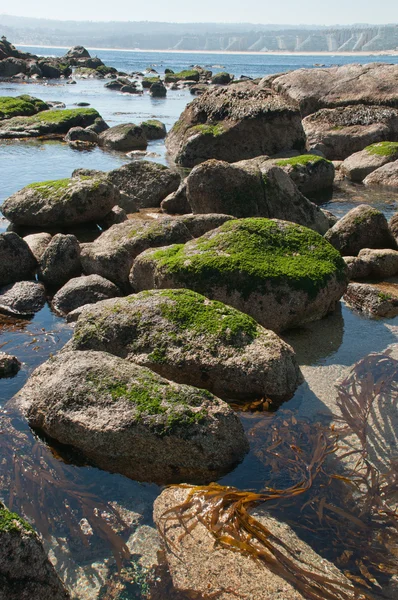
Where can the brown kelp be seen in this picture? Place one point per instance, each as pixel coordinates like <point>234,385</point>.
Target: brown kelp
<point>333,494</point>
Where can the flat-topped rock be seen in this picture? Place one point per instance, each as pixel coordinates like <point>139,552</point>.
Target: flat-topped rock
<point>375,264</point>
<point>124,137</point>
<point>278,272</point>
<point>373,299</point>
<point>47,122</point>
<point>127,419</point>
<point>342,131</point>
<point>310,173</point>
<point>361,164</point>
<point>234,123</point>
<point>62,202</point>
<point>113,253</point>
<point>185,337</point>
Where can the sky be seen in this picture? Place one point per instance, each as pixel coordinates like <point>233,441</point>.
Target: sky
<point>314,12</point>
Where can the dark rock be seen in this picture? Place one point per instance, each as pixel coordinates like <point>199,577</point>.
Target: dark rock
<point>83,290</point>
<point>9,367</point>
<point>78,134</point>
<point>158,90</point>
<point>9,67</point>
<point>22,298</point>
<point>222,78</point>
<point>124,138</point>
<point>47,122</point>
<point>309,172</point>
<point>16,259</point>
<point>116,215</point>
<point>77,52</point>
<point>98,126</point>
<point>60,261</point>
<point>153,129</point>
<point>177,203</point>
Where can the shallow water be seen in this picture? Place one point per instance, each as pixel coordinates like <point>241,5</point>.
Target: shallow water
<point>326,350</point>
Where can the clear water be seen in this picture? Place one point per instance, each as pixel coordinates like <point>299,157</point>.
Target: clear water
<point>326,347</point>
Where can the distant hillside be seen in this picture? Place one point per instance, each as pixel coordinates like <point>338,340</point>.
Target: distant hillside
<point>200,36</point>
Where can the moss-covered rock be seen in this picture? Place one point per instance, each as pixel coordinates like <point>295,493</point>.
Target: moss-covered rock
<point>61,202</point>
<point>222,78</point>
<point>127,419</point>
<point>185,75</point>
<point>280,273</point>
<point>234,123</point>
<point>148,81</point>
<point>187,338</point>
<point>310,173</point>
<point>154,129</point>
<point>112,254</point>
<point>361,164</point>
<point>47,122</point>
<point>25,571</point>
<point>20,106</point>
<point>124,137</point>
<point>362,227</point>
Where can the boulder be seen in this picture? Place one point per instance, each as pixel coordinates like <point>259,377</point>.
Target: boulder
<point>124,138</point>
<point>22,298</point>
<point>129,420</point>
<point>177,203</point>
<point>9,367</point>
<point>98,126</point>
<point>158,90</point>
<point>281,274</point>
<point>117,84</point>
<point>9,67</point>
<point>386,176</point>
<point>234,123</point>
<point>145,182</point>
<point>60,261</point>
<point>147,82</point>
<point>375,264</point>
<point>25,571</point>
<point>16,259</point>
<point>47,122</point>
<point>37,243</point>
<point>185,75</point>
<point>340,132</point>
<point>154,129</point>
<point>201,568</point>
<point>20,106</point>
<point>310,173</point>
<point>393,227</point>
<point>198,225</point>
<point>78,291</point>
<point>112,254</point>
<point>251,188</point>
<point>190,339</point>
<point>351,84</point>
<point>78,134</point>
<point>77,52</point>
<point>62,202</point>
<point>222,78</point>
<point>116,215</point>
<point>378,300</point>
<point>357,166</point>
<point>362,227</point>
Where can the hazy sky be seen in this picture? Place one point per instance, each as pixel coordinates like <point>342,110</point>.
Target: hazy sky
<point>250,11</point>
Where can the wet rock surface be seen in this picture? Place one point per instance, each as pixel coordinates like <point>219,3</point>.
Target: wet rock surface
<point>22,298</point>
<point>9,365</point>
<point>124,138</point>
<point>127,419</point>
<point>379,300</point>
<point>16,259</point>
<point>48,122</point>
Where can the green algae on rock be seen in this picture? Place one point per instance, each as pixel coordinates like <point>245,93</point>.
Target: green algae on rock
<point>127,419</point>
<point>383,149</point>
<point>47,122</point>
<point>185,75</point>
<point>21,106</point>
<point>280,273</point>
<point>190,339</point>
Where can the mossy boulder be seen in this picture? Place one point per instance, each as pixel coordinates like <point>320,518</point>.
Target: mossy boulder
<point>124,138</point>
<point>17,262</point>
<point>310,173</point>
<point>222,78</point>
<point>20,106</point>
<point>127,419</point>
<point>61,202</point>
<point>144,184</point>
<point>154,129</point>
<point>47,122</point>
<point>185,337</point>
<point>361,164</point>
<point>386,176</point>
<point>235,123</point>
<point>25,571</point>
<point>278,272</point>
<point>147,82</point>
<point>251,188</point>
<point>113,253</point>
<point>362,227</point>
<point>185,75</point>
<point>340,132</point>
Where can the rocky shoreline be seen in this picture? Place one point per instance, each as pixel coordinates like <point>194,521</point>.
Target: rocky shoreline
<point>179,303</point>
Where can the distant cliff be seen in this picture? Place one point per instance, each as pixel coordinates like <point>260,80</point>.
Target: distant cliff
<point>200,36</point>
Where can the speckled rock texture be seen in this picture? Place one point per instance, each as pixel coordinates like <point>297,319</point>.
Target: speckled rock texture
<point>9,365</point>
<point>22,298</point>
<point>87,289</point>
<point>374,299</point>
<point>16,259</point>
<point>60,261</point>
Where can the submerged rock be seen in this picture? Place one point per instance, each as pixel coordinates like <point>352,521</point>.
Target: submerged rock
<point>83,290</point>
<point>16,259</point>
<point>112,254</point>
<point>25,571</point>
<point>339,132</point>
<point>380,300</point>
<point>126,419</point>
<point>22,298</point>
<point>278,272</point>
<point>9,367</point>
<point>251,188</point>
<point>185,337</point>
<point>62,202</point>
<point>361,227</point>
<point>60,261</point>
<point>145,182</point>
<point>201,568</point>
<point>124,138</point>
<point>357,166</point>
<point>234,123</point>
